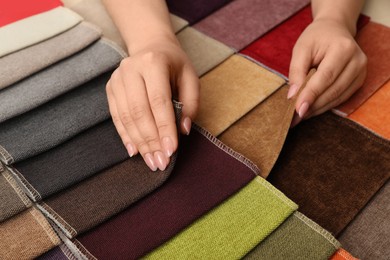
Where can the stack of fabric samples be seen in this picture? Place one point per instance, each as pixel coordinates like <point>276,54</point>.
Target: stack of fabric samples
<point>68,189</point>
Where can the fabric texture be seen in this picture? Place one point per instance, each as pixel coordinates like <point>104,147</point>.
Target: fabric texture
<point>243,21</point>
<point>204,52</point>
<point>56,121</point>
<point>36,28</point>
<point>375,112</point>
<point>377,10</point>
<point>370,40</point>
<point>23,63</point>
<point>341,254</point>
<point>233,228</point>
<point>296,238</point>
<point>56,80</point>
<point>331,167</point>
<point>26,236</point>
<point>13,199</point>
<point>231,90</point>
<point>54,254</point>
<point>205,174</point>
<point>367,236</point>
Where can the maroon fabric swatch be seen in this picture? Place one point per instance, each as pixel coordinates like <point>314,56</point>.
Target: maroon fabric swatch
<point>54,254</point>
<point>331,167</point>
<point>274,49</point>
<point>205,175</point>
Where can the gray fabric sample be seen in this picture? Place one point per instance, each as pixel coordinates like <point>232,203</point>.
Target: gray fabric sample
<point>55,122</point>
<point>56,80</point>
<point>21,64</point>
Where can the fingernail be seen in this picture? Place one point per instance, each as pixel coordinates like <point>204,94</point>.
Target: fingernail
<point>187,125</point>
<point>161,160</point>
<point>292,91</point>
<point>303,109</point>
<point>296,120</point>
<point>130,149</point>
<point>168,146</point>
<point>150,162</point>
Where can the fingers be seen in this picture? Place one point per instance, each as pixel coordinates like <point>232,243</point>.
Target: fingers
<point>299,67</point>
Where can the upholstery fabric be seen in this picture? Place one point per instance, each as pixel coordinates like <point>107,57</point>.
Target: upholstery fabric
<point>54,254</point>
<point>341,254</point>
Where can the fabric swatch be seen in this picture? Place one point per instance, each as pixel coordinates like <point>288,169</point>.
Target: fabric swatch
<point>54,254</point>
<point>193,11</point>
<point>341,254</point>
<point>242,21</point>
<point>233,228</point>
<point>19,9</point>
<point>296,238</point>
<point>36,28</point>
<point>367,236</point>
<point>206,173</point>
<point>178,23</point>
<point>231,90</point>
<point>378,11</point>
<point>204,52</point>
<point>56,80</point>
<point>23,63</point>
<point>55,122</point>
<point>371,39</point>
<point>13,199</point>
<point>374,114</point>
<point>331,167</point>
<point>26,236</point>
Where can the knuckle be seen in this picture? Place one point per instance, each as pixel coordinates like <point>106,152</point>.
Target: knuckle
<point>138,112</point>
<point>153,57</point>
<point>348,45</point>
<point>335,95</point>
<point>328,75</point>
<point>126,119</point>
<point>158,102</point>
<point>313,92</point>
<point>163,126</point>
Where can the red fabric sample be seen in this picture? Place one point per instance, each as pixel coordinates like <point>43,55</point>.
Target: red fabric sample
<point>14,10</point>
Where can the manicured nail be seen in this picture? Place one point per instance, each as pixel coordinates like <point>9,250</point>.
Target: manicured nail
<point>187,125</point>
<point>168,146</point>
<point>161,160</point>
<point>303,109</point>
<point>130,149</point>
<point>292,91</point>
<point>150,162</point>
<point>296,120</point>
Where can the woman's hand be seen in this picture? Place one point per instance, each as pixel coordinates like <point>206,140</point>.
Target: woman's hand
<point>140,99</point>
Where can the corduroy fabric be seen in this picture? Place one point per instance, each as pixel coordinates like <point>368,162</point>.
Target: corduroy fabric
<point>23,63</point>
<point>36,28</point>
<point>193,11</point>
<point>56,121</point>
<point>367,236</point>
<point>296,238</point>
<point>56,80</point>
<point>371,39</point>
<point>243,21</point>
<point>231,90</point>
<point>233,228</point>
<point>26,236</point>
<point>13,199</point>
<point>206,173</point>
<point>204,52</point>
<point>331,167</point>
<point>341,254</point>
<point>375,112</point>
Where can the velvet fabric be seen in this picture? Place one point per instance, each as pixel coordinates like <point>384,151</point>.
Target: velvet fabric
<point>242,21</point>
<point>331,167</point>
<point>56,80</point>
<point>231,90</point>
<point>233,228</point>
<point>206,173</point>
<point>31,30</point>
<point>19,65</point>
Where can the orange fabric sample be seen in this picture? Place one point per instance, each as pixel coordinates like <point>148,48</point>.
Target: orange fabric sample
<point>341,254</point>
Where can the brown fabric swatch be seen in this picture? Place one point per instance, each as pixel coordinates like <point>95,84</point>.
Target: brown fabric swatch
<point>231,90</point>
<point>26,236</point>
<point>331,167</point>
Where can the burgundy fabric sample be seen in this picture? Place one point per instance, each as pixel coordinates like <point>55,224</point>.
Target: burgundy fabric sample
<point>242,21</point>
<point>331,167</point>
<point>274,49</point>
<point>193,11</point>
<point>206,173</point>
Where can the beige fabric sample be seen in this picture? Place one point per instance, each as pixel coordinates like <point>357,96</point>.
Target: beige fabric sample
<point>178,23</point>
<point>231,90</point>
<point>36,28</point>
<point>204,52</point>
<point>378,11</point>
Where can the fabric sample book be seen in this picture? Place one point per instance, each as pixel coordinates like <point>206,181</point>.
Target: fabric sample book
<point>231,90</point>
<point>331,167</point>
<point>242,21</point>
<point>36,28</point>
<point>58,79</point>
<point>23,63</point>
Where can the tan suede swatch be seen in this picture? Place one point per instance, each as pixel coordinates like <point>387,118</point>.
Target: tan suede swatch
<point>204,52</point>
<point>26,236</point>
<point>231,90</point>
